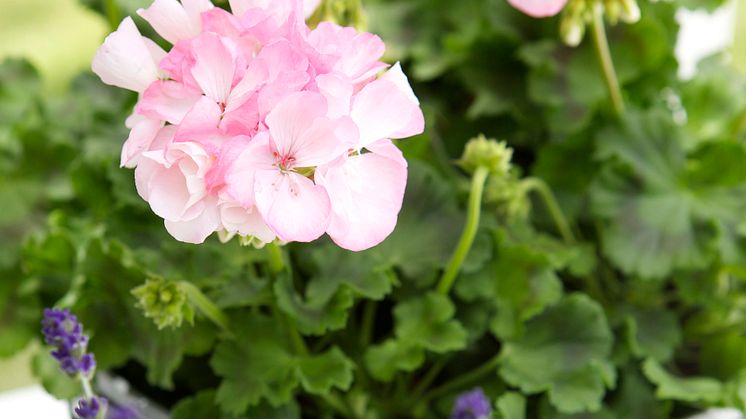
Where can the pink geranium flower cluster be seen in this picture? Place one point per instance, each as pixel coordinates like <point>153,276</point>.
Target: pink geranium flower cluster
<point>255,125</point>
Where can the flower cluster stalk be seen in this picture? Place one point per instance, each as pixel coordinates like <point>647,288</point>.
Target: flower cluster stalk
<point>563,226</point>
<point>603,53</point>
<point>207,307</point>
<point>470,230</point>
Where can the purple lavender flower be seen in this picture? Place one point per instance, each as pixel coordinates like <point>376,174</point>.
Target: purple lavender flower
<point>472,405</point>
<point>63,331</point>
<point>90,408</point>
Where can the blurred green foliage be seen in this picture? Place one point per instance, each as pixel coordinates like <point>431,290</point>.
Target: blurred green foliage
<point>641,315</point>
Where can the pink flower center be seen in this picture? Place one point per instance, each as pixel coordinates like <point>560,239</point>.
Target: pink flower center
<point>285,162</point>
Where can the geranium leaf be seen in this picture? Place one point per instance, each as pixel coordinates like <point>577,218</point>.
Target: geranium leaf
<point>564,351</point>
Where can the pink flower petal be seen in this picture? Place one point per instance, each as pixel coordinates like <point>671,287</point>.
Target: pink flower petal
<point>539,8</point>
<point>201,125</point>
<point>387,108</point>
<point>125,59</point>
<point>292,205</point>
<point>167,100</point>
<point>196,230</point>
<point>216,65</point>
<point>172,21</point>
<point>140,138</point>
<point>241,170</point>
<point>366,194</point>
<point>301,130</point>
<point>338,93</point>
<point>354,54</point>
<point>246,222</point>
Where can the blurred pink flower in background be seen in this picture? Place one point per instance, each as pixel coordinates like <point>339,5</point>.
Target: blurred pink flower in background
<point>539,8</point>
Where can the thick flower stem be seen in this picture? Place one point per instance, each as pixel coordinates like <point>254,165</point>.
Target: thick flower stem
<point>464,380</point>
<point>538,185</point>
<point>470,231</point>
<point>207,307</point>
<point>607,64</point>
<point>276,260</point>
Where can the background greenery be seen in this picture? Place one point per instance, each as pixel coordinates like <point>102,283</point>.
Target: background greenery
<point>639,312</point>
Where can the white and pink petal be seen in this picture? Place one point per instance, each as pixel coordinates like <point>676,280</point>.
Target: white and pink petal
<point>292,205</point>
<point>126,59</point>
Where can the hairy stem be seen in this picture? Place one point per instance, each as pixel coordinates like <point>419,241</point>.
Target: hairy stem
<point>541,187</point>
<point>607,64</point>
<point>469,233</point>
<point>206,306</point>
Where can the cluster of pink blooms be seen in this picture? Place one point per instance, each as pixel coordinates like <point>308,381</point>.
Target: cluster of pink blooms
<point>254,125</point>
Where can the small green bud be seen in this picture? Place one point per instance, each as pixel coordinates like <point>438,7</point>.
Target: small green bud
<point>509,195</point>
<point>251,241</point>
<point>489,153</point>
<point>613,10</point>
<point>572,29</point>
<point>165,302</point>
<point>630,11</point>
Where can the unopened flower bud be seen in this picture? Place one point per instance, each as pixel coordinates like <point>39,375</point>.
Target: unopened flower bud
<point>572,29</point>
<point>489,153</point>
<point>509,196</point>
<point>165,302</point>
<point>630,11</point>
<point>613,9</point>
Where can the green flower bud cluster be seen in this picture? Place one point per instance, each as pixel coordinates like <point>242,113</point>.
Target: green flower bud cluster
<point>504,188</point>
<point>509,195</point>
<point>579,13</point>
<point>491,154</point>
<point>625,10</point>
<point>165,302</point>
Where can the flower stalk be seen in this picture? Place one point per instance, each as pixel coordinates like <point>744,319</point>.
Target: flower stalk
<point>470,230</point>
<point>539,186</point>
<point>206,306</point>
<point>465,379</point>
<point>603,53</point>
<point>276,260</point>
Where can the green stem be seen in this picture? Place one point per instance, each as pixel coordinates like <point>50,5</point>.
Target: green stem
<point>429,377</point>
<point>334,401</point>
<point>563,226</point>
<point>470,231</point>
<point>87,390</point>
<point>112,13</point>
<point>463,380</point>
<point>604,58</point>
<point>298,342</point>
<point>276,261</point>
<point>366,328</point>
<point>206,306</point>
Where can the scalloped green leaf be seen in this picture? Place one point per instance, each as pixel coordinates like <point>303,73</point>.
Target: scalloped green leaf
<point>565,352</point>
